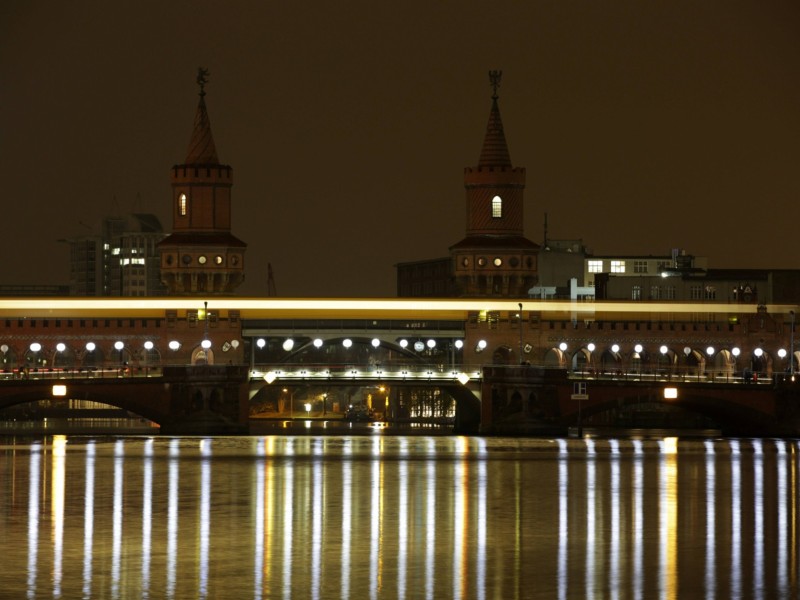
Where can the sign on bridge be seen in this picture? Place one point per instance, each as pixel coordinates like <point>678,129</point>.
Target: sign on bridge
<point>579,391</point>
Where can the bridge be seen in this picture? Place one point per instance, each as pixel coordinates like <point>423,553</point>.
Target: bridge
<point>180,400</point>
<point>525,398</point>
<point>488,366</point>
<point>489,399</point>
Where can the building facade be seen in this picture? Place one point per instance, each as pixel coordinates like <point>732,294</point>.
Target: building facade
<point>122,261</point>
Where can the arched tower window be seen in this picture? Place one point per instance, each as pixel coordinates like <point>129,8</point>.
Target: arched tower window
<point>497,207</point>
<point>182,205</point>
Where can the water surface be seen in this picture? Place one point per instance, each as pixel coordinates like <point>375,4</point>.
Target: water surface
<point>385,516</point>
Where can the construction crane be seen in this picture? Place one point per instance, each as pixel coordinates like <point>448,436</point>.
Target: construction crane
<point>271,290</point>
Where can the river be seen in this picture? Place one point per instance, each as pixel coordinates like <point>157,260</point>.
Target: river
<point>398,516</point>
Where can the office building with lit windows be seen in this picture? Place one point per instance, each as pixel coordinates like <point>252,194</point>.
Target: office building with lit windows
<point>122,261</point>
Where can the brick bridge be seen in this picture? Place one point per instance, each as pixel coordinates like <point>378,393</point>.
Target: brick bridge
<point>515,400</point>
<point>181,400</point>
<point>527,399</point>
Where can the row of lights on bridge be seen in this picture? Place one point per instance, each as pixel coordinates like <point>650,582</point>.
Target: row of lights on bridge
<point>419,346</point>
<point>710,350</point>
<point>120,345</point>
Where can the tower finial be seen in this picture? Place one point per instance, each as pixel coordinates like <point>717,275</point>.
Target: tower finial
<point>202,79</point>
<point>494,81</point>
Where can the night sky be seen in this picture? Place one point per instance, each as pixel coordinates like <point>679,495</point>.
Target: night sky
<point>643,126</point>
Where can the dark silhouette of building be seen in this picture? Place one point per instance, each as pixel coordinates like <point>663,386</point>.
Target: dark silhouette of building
<point>123,260</point>
<point>494,259</point>
<point>201,256</point>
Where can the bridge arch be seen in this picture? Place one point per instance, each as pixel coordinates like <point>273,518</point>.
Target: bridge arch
<point>760,362</point>
<point>202,356</point>
<point>610,361</point>
<point>555,357</point>
<point>8,357</point>
<point>66,358</point>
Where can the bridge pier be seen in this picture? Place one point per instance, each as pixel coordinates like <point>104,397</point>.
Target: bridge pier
<point>206,400</point>
<point>521,400</point>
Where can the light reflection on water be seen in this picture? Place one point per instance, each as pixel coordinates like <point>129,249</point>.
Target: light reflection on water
<point>399,517</point>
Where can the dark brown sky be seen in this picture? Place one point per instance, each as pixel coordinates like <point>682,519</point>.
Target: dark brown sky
<point>643,126</point>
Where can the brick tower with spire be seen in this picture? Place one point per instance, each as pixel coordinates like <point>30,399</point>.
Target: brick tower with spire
<point>495,258</point>
<point>201,256</point>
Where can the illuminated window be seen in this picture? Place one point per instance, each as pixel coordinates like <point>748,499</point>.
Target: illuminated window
<point>497,207</point>
<point>595,266</point>
<point>617,266</point>
<point>636,292</point>
<point>182,205</point>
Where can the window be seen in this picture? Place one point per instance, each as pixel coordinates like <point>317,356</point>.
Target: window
<point>497,207</point>
<point>696,292</point>
<point>617,266</point>
<point>654,292</point>
<point>182,205</point>
<point>595,266</point>
<point>710,292</point>
<point>669,292</point>
<point>636,292</point>
<point>640,266</point>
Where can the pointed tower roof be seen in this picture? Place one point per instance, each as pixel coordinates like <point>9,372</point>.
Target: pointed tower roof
<point>202,150</point>
<point>494,152</point>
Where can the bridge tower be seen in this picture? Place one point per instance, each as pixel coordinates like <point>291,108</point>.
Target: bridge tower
<point>495,258</point>
<point>201,256</point>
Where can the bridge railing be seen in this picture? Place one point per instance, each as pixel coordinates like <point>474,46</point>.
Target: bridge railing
<point>465,373</point>
<point>357,372</point>
<point>80,373</point>
<point>680,375</point>
<point>404,372</point>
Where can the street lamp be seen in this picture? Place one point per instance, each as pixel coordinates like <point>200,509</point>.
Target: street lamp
<point>519,316</point>
<point>710,352</point>
<point>120,346</point>
<point>791,347</point>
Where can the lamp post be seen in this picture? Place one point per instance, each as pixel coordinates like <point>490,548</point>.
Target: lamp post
<point>520,332</point>
<point>119,345</point>
<point>791,348</point>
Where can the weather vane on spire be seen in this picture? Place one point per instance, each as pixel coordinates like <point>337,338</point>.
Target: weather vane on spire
<point>202,79</point>
<point>494,81</point>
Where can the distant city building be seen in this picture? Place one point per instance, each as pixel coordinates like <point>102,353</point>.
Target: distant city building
<point>678,277</point>
<point>642,265</point>
<point>201,256</point>
<point>495,259</point>
<point>561,261</point>
<point>747,286</point>
<point>431,278</point>
<point>122,261</point>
